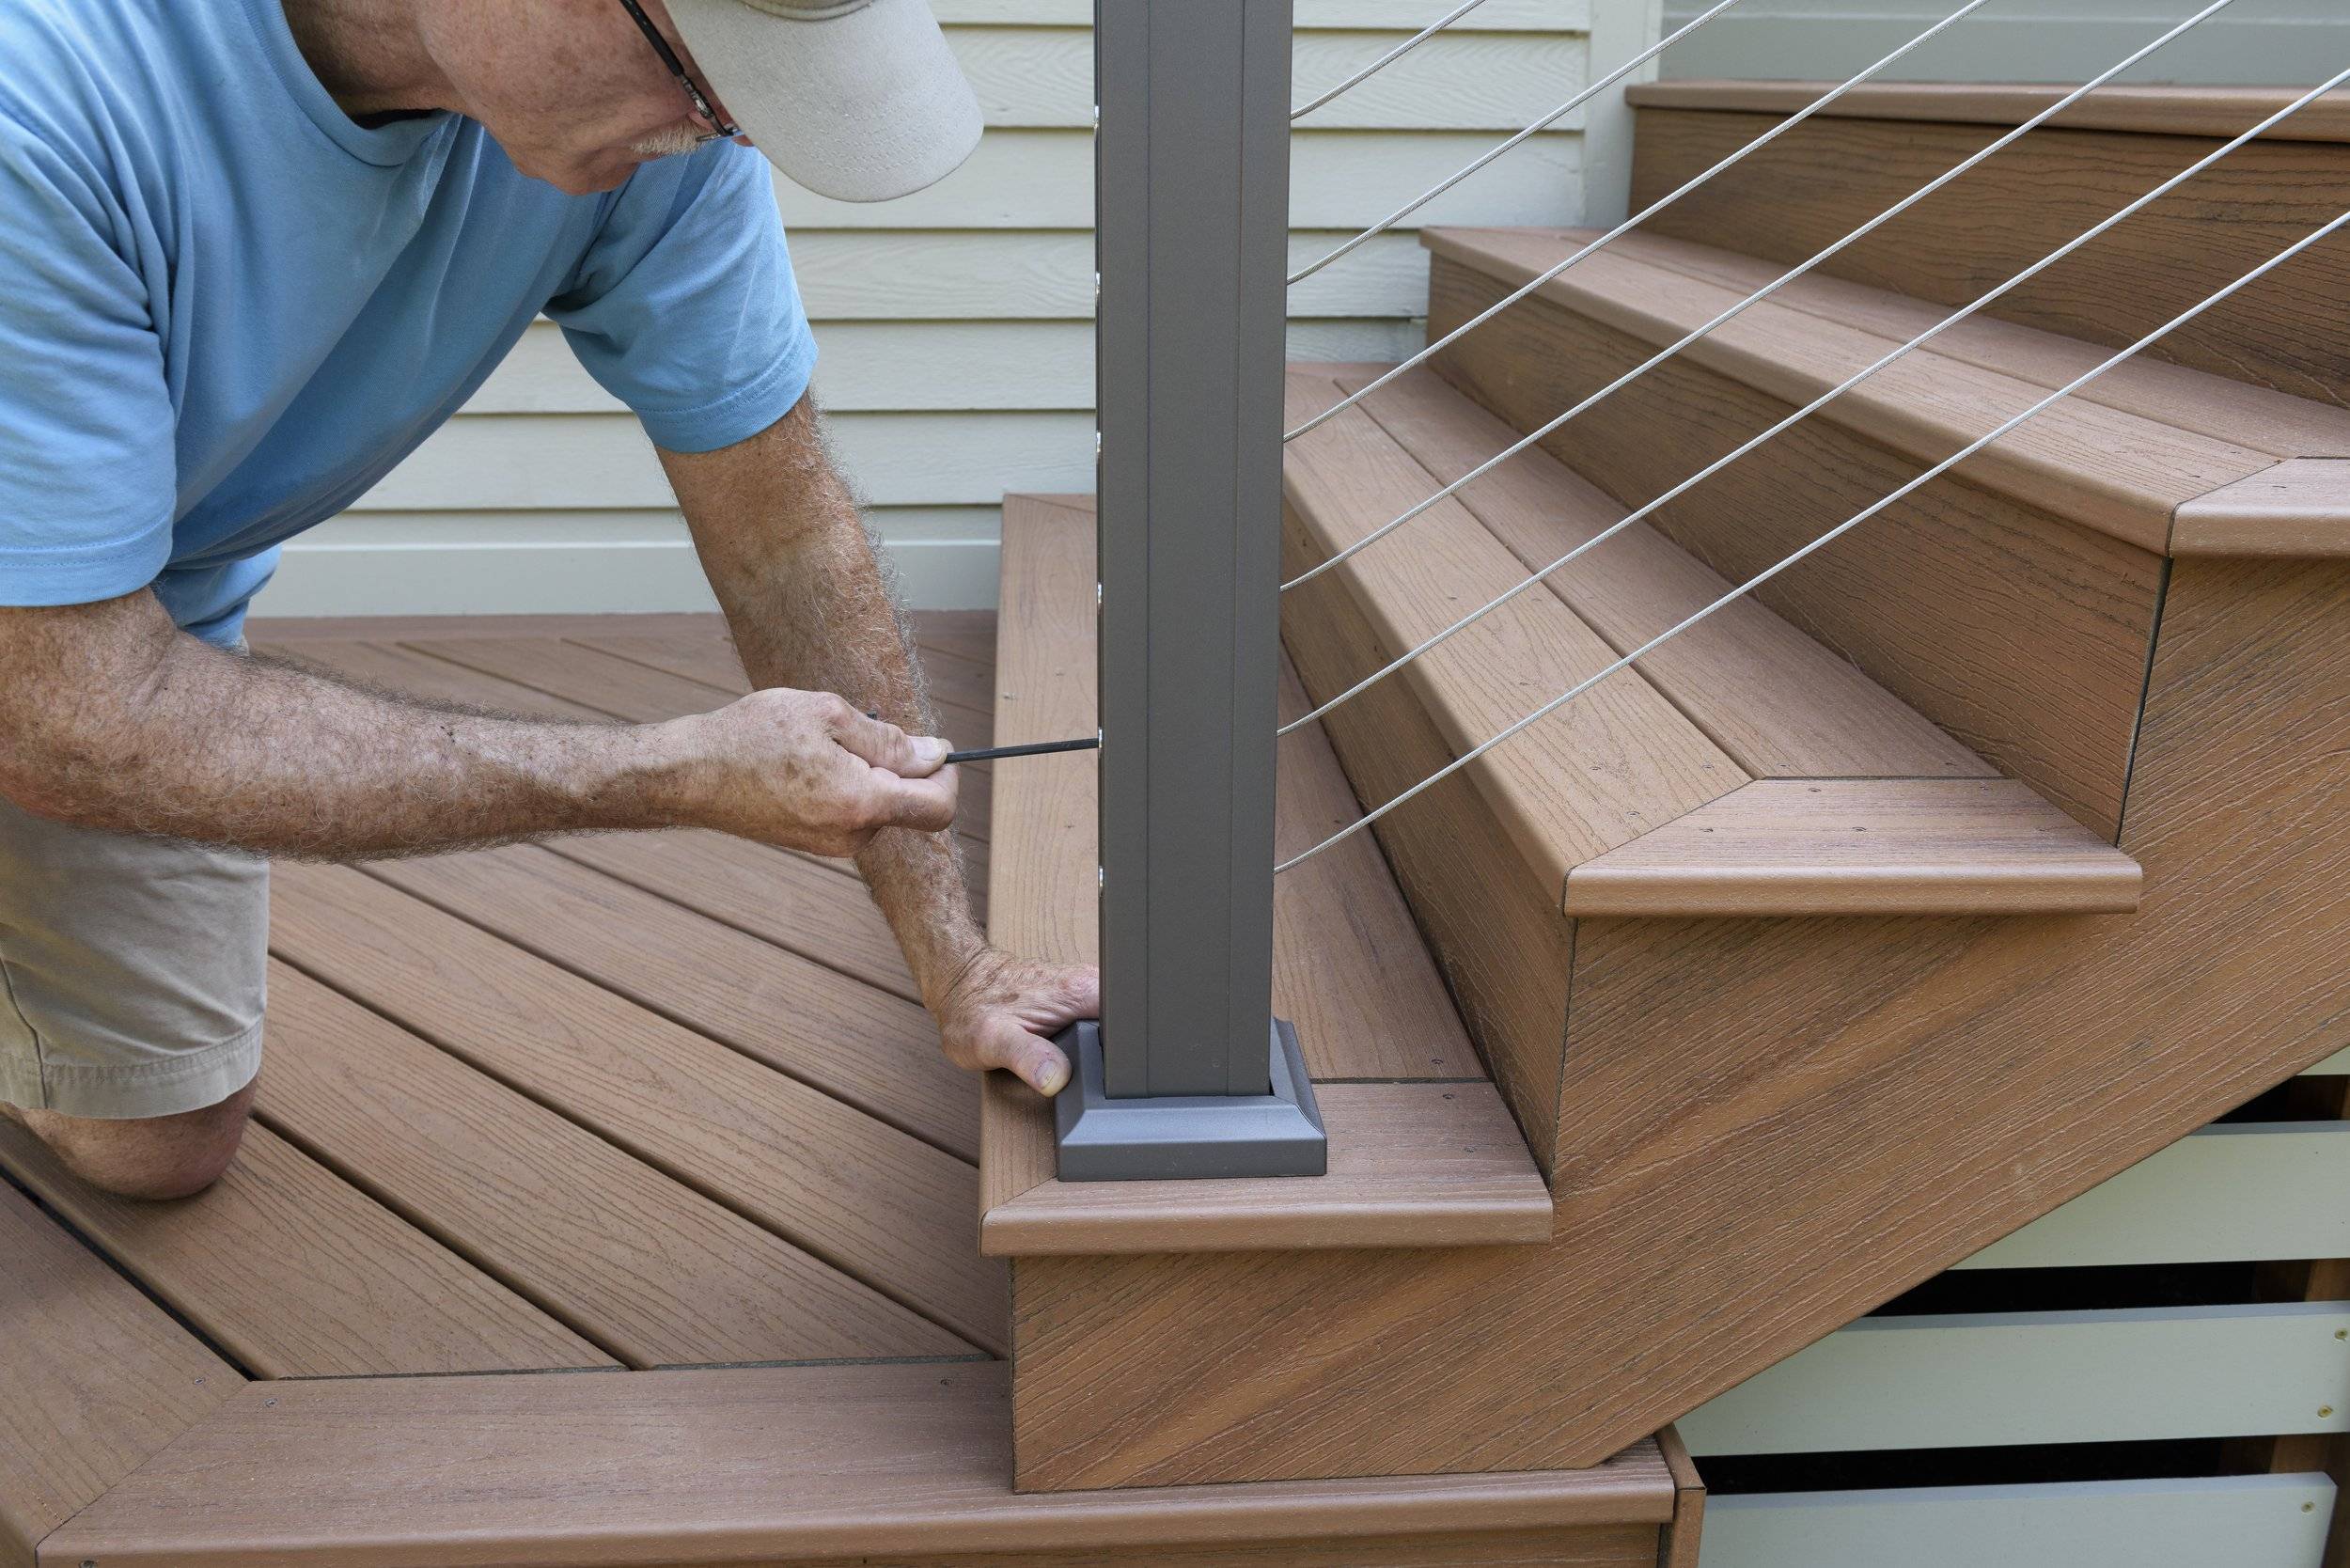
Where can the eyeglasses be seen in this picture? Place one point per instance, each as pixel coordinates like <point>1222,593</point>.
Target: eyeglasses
<point>721,129</point>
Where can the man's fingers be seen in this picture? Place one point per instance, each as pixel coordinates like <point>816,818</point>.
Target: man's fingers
<point>925,804</point>
<point>1037,1062</point>
<point>885,745</point>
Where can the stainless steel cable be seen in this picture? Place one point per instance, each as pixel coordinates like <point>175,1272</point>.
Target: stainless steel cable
<point>1389,58</point>
<point>1838,531</point>
<point>1727,459</point>
<point>1626,227</point>
<point>1972,160</point>
<point>1617,74</point>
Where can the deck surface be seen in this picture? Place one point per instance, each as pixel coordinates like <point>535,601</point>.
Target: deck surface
<point>626,1101</point>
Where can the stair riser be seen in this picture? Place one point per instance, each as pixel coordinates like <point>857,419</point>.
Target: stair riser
<point>2023,634</point>
<point>1600,1547</point>
<point>1498,935</point>
<point>2290,332</point>
<point>1770,1126</point>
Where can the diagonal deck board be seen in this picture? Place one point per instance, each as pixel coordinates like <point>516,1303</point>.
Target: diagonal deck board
<point>871,1200</point>
<point>98,1377</point>
<point>962,688</point>
<point>640,1262</point>
<point>881,1463</point>
<point>878,1052</point>
<point>297,1274</point>
<point>630,690</point>
<point>794,901</point>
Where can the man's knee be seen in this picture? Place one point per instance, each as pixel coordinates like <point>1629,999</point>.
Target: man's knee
<point>155,1158</point>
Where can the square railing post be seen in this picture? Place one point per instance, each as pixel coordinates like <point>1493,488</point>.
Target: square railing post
<point>1189,1074</point>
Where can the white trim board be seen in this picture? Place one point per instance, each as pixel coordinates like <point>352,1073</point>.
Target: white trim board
<point>2197,1522</point>
<point>1974,1379</point>
<point>2234,1192</point>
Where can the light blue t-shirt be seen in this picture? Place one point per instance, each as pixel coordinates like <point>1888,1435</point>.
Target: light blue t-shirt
<point>227,309</point>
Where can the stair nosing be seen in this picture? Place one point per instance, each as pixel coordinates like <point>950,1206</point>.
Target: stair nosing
<point>2131,507</point>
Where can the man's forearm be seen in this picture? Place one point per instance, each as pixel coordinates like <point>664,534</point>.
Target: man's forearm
<point>120,721</point>
<point>809,605</point>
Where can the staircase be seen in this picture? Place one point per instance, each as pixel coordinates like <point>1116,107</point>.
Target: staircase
<point>1968,862</point>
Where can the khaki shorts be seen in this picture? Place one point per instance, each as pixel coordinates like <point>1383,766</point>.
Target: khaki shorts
<point>131,970</point>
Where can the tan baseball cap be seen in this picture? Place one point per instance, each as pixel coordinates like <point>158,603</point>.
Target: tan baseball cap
<point>859,100</point>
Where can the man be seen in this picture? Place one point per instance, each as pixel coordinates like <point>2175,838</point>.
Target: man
<point>255,251</point>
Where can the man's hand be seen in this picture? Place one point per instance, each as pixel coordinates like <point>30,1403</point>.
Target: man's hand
<point>806,771</point>
<point>998,1010</point>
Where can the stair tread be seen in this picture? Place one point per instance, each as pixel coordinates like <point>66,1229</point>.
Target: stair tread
<point>1600,772</point>
<point>1779,703</point>
<point>2161,109</point>
<point>763,1464</point>
<point>1433,1161</point>
<point>2105,467</point>
<point>1886,835</point>
<point>2257,417</point>
<point>1879,846</point>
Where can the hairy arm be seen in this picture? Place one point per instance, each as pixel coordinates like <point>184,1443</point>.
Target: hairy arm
<point>112,717</point>
<point>810,605</point>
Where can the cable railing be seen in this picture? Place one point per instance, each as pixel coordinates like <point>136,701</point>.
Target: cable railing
<point>1627,661</point>
<point>1965,313</point>
<point>1818,105</point>
<point>1585,96</point>
<point>1973,161</point>
<point>1187,1072</point>
<point>1385,60</point>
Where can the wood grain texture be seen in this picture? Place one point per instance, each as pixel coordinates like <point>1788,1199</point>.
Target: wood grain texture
<point>2023,636</point>
<point>2240,415</point>
<point>98,1377</point>
<point>877,1052</point>
<point>1411,1165</point>
<point>1882,846</point>
<point>2089,463</point>
<point>1595,774</point>
<point>2163,110</point>
<point>961,688</point>
<point>1495,930</point>
<point>1825,179</point>
<point>756,1466</point>
<point>1595,1547</point>
<point>1043,887</point>
<point>1679,1547</point>
<point>1967,1075</point>
<point>816,908</point>
<point>623,688</point>
<point>296,1274</point>
<point>1779,703</point>
<point>1421,1162</point>
<point>868,1200</point>
<point>2299,507</point>
<point>635,1261</point>
<point>1367,996</point>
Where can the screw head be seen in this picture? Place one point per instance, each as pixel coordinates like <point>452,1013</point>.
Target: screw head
<point>2324,1409</point>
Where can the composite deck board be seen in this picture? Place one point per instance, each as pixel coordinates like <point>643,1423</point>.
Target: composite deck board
<point>297,1274</point>
<point>643,1264</point>
<point>962,687</point>
<point>622,688</point>
<point>874,1050</point>
<point>1414,1163</point>
<point>98,1377</point>
<point>882,1462</point>
<point>871,1200</point>
<point>792,900</point>
<point>1781,703</point>
<point>405,669</point>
